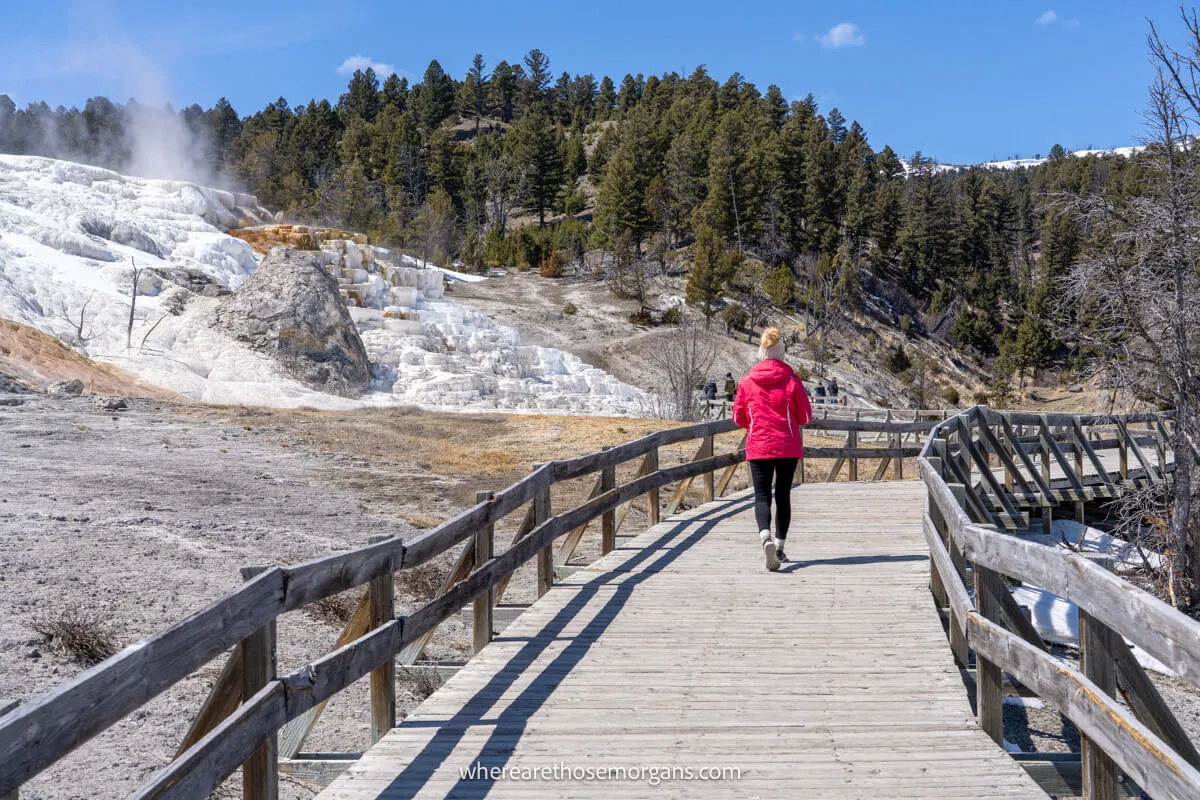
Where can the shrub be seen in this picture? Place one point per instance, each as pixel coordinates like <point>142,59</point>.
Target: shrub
<point>336,609</point>
<point>950,395</point>
<point>672,316</point>
<point>570,308</point>
<point>735,317</point>
<point>980,398</point>
<point>642,317</point>
<point>940,300</point>
<point>872,340</point>
<point>897,360</point>
<point>83,636</point>
<point>420,682</point>
<point>906,322</point>
<point>802,372</point>
<point>553,264</point>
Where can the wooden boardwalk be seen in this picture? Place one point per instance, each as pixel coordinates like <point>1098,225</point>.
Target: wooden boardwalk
<point>829,679</point>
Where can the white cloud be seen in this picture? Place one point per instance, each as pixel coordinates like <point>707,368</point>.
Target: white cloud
<point>362,62</point>
<point>844,34</point>
<point>1050,17</point>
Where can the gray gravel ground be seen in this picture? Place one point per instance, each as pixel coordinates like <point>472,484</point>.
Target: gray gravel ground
<point>143,516</point>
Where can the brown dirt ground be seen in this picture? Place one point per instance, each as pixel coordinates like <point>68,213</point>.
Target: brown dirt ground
<point>37,360</point>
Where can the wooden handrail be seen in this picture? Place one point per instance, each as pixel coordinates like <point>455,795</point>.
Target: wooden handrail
<point>1153,750</point>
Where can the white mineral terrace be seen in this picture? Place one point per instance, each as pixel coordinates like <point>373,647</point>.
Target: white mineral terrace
<point>69,237</point>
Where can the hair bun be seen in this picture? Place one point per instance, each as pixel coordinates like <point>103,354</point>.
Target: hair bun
<point>770,337</point>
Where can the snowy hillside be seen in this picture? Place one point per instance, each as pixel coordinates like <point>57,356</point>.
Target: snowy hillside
<point>1021,163</point>
<point>70,236</point>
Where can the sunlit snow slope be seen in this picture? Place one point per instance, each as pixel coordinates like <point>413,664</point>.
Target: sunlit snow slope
<point>71,234</point>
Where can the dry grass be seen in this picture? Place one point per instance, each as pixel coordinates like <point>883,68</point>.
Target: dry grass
<point>423,582</point>
<point>337,609</point>
<point>497,448</point>
<point>78,634</point>
<point>419,682</point>
<point>422,521</point>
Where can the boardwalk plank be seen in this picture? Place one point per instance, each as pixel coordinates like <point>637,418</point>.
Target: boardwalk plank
<point>828,679</point>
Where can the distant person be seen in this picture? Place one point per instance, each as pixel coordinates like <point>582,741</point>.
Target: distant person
<point>820,392</point>
<point>833,391</point>
<point>773,407</point>
<point>710,389</point>
<point>730,387</point>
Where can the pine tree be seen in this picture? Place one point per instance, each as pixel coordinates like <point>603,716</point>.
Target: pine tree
<point>395,93</point>
<point>433,98</point>
<point>536,146</point>
<point>479,93</point>
<point>629,95</point>
<point>606,99</point>
<point>777,107</point>
<point>503,90</point>
<point>361,100</point>
<point>712,268</point>
<point>620,208</point>
<point>535,88</point>
<point>837,126</point>
<point>575,157</point>
<point>780,286</point>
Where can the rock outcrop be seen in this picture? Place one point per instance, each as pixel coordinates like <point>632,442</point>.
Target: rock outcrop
<point>291,310</point>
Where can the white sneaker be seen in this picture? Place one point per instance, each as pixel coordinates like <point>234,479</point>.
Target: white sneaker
<point>768,546</point>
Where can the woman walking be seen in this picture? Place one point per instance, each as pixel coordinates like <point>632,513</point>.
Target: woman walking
<point>772,406</point>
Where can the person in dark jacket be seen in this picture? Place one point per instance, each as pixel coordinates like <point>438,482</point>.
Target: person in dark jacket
<point>710,389</point>
<point>773,408</point>
<point>730,387</point>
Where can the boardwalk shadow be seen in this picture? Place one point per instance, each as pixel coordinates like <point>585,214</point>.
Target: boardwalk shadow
<point>847,561</point>
<point>509,725</point>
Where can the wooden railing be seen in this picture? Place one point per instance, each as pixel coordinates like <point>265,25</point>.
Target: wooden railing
<point>985,469</point>
<point>250,702</point>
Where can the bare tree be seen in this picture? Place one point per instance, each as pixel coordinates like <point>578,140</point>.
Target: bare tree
<point>133,296</point>
<point>1136,293</point>
<point>683,358</point>
<point>80,323</point>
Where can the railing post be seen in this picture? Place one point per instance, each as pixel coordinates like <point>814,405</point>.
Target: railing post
<point>1006,445</point>
<point>1080,510</point>
<point>652,495</point>
<point>988,700</point>
<point>707,452</point>
<point>899,460</point>
<point>381,592</point>
<point>608,527</point>
<point>481,610</point>
<point>1160,446</point>
<point>851,443</point>
<point>936,584</point>
<point>1047,510</point>
<point>4,709</point>
<point>1123,448</point>
<point>958,639</point>
<point>260,773</point>
<point>545,558</point>
<point>1097,664</point>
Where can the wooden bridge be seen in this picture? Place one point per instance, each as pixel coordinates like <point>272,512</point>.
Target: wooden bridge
<point>675,665</point>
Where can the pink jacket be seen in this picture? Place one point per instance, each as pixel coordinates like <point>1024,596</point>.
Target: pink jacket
<point>772,406</point>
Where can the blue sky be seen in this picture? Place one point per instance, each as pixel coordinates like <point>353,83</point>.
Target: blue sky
<point>961,81</point>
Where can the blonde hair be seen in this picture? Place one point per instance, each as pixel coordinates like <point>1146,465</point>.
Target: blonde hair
<point>771,345</point>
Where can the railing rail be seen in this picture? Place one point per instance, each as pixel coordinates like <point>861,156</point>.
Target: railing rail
<point>233,729</point>
<point>970,496</point>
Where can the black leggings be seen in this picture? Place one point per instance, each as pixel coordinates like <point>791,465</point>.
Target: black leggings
<point>764,472</point>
